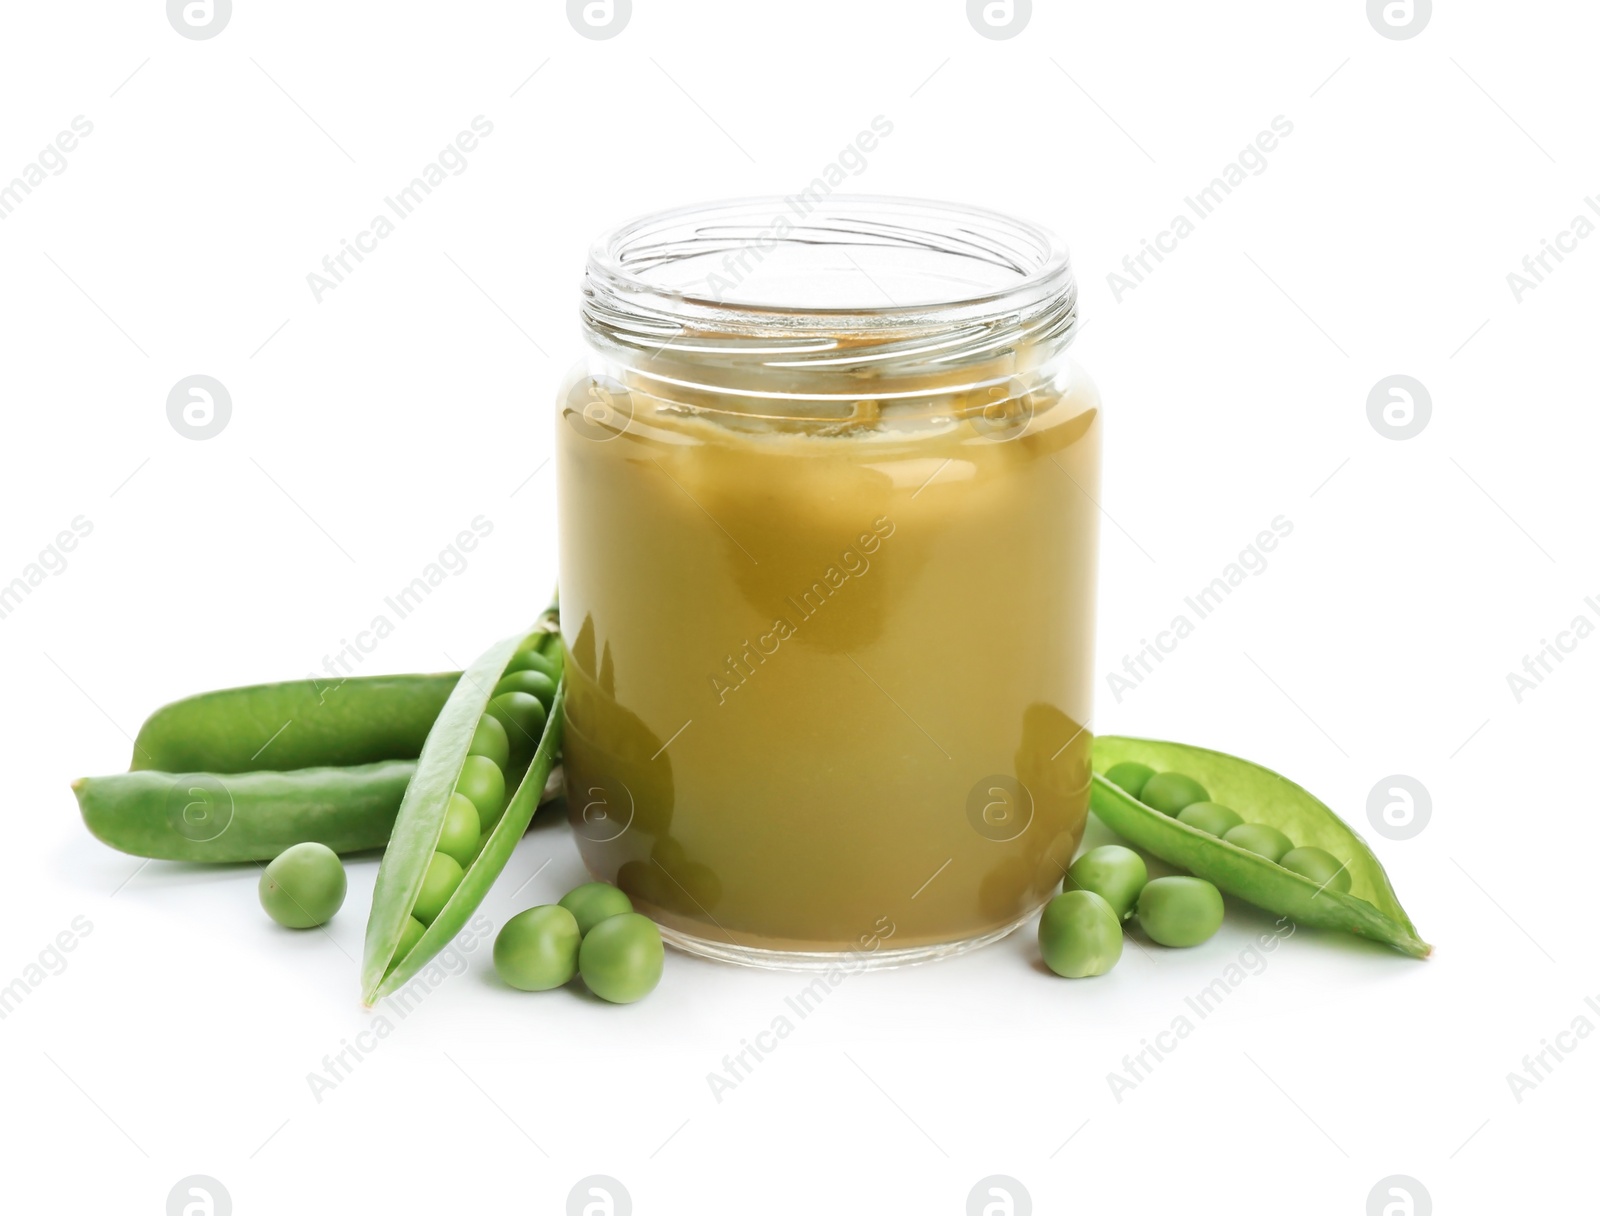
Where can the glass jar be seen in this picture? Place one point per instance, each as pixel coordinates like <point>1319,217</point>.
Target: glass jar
<point>828,495</point>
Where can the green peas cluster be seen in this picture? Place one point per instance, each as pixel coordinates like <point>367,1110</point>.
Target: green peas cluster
<point>521,700</point>
<point>1080,933</point>
<point>510,728</point>
<point>1186,800</point>
<point>442,771</point>
<point>592,932</point>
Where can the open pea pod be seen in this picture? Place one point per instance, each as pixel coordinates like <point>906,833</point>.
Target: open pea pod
<point>421,819</point>
<point>1370,908</point>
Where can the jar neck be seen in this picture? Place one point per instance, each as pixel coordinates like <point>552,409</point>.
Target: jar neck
<point>689,307</point>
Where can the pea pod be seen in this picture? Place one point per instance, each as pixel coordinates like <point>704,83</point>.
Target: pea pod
<point>244,816</point>
<point>412,858</point>
<point>1370,908</point>
<point>295,724</point>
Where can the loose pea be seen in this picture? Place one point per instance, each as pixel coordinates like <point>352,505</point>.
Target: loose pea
<point>1319,865</point>
<point>1130,775</point>
<point>1114,873</point>
<point>1210,817</point>
<point>303,886</point>
<point>534,683</point>
<point>522,715</point>
<point>1169,793</point>
<point>1180,911</point>
<point>621,958</point>
<point>482,781</point>
<point>409,936</point>
<point>459,836</point>
<point>1080,934</point>
<point>594,902</point>
<point>538,948</point>
<point>438,885</point>
<point>490,740</point>
<point>1259,838</point>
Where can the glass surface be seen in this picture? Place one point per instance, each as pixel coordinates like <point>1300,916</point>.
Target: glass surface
<point>827,589</point>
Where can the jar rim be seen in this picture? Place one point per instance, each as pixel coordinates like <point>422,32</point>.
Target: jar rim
<point>746,265</point>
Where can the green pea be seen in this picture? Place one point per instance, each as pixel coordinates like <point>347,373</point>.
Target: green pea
<point>538,948</point>
<point>303,886</point>
<point>1112,872</point>
<point>1080,934</point>
<point>621,958</point>
<point>1130,775</point>
<point>409,936</point>
<point>459,836</point>
<point>1180,911</point>
<point>439,883</point>
<point>532,660</point>
<point>490,740</point>
<point>1169,793</point>
<point>1319,865</point>
<point>534,683</point>
<point>1259,838</point>
<point>522,715</point>
<point>482,781</point>
<point>594,902</point>
<point>1210,817</point>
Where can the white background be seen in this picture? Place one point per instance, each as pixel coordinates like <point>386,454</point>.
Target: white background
<point>369,428</point>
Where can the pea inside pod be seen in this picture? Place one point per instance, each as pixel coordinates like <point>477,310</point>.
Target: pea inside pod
<point>534,683</point>
<point>1130,775</point>
<point>1319,865</point>
<point>1260,839</point>
<point>458,838</point>
<point>1210,817</point>
<point>1171,792</point>
<point>1367,906</point>
<point>483,783</point>
<point>490,740</point>
<point>439,883</point>
<point>533,660</point>
<point>418,880</point>
<point>410,935</point>
<point>522,716</point>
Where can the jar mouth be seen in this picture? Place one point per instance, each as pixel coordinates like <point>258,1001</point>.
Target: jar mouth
<point>835,256</point>
<point>841,311</point>
<point>820,276</point>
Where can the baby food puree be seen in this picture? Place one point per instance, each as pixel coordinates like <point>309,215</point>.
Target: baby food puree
<point>828,534</point>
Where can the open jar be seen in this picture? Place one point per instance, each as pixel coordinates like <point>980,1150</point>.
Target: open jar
<point>828,492</point>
